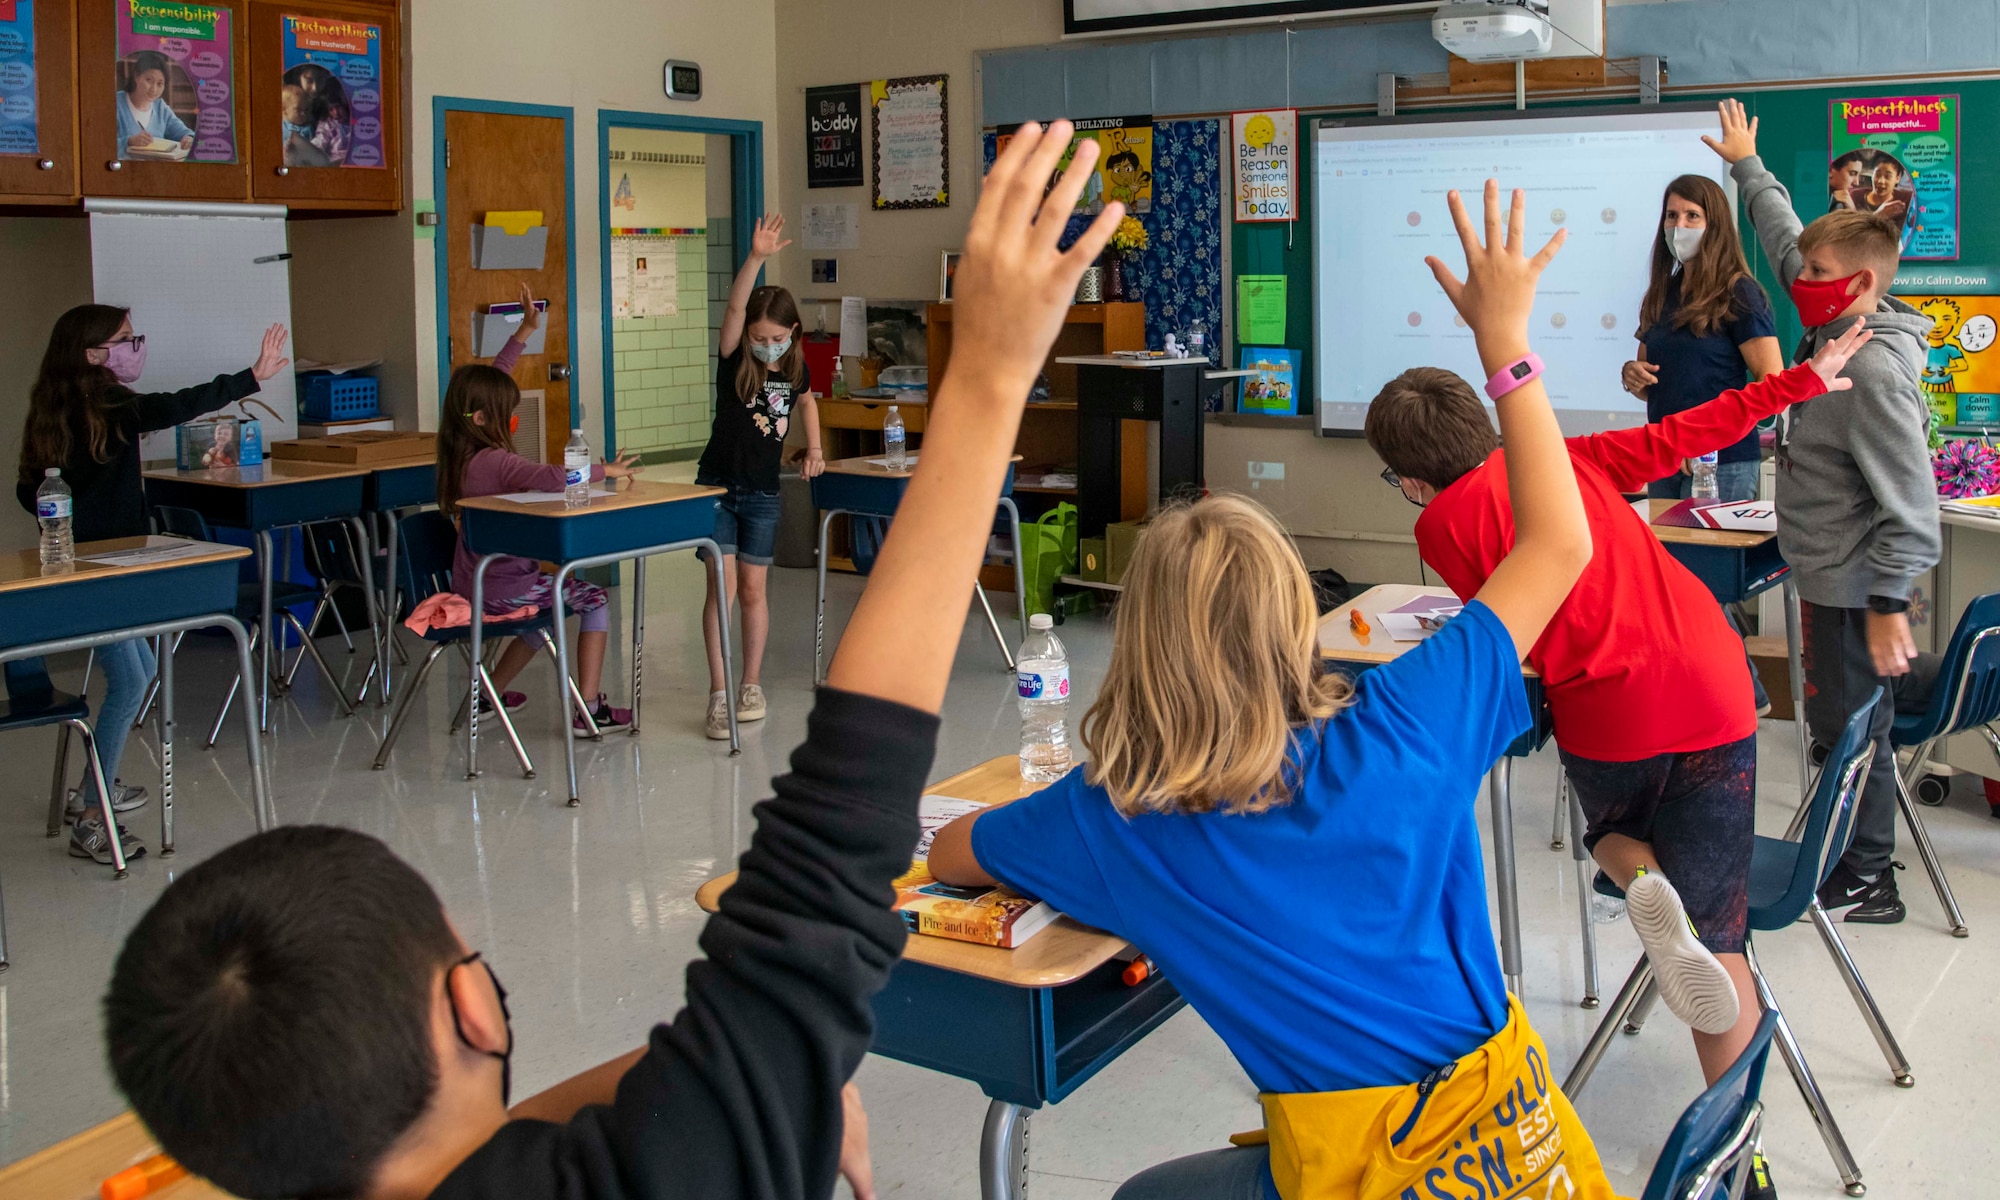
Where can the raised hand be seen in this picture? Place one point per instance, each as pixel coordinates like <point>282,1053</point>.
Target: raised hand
<point>765,241</point>
<point>1739,133</point>
<point>1833,356</point>
<point>271,355</point>
<point>1498,292</point>
<point>531,316</point>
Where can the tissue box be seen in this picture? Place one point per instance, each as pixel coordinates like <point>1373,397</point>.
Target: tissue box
<point>219,442</point>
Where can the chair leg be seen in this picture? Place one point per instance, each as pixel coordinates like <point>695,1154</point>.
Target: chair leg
<point>1627,999</point>
<point>1586,874</point>
<point>1927,852</point>
<point>507,726</point>
<point>339,622</point>
<point>1795,1061</point>
<point>57,799</point>
<point>312,622</point>
<point>1899,1066</point>
<point>96,768</point>
<point>1644,1009</point>
<point>412,688</point>
<point>1560,833</point>
<point>305,640</point>
<point>590,729</point>
<point>3,933</point>
<point>993,623</point>
<point>229,697</point>
<point>465,697</point>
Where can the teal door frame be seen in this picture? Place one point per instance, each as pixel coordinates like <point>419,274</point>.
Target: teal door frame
<point>746,170</point>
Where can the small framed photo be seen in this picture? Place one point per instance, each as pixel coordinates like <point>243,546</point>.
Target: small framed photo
<point>947,273</point>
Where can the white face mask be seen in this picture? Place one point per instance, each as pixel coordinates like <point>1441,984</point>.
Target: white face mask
<point>1682,243</point>
<point>769,353</point>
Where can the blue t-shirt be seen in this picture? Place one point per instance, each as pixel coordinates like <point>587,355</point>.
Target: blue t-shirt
<point>1695,370</point>
<point>1937,364</point>
<point>1339,941</point>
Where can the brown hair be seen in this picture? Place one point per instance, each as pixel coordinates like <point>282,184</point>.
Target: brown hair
<point>1428,425</point>
<point>1861,239</point>
<point>773,304</point>
<point>475,389</point>
<point>1708,284</point>
<point>70,388</point>
<point>1214,666</point>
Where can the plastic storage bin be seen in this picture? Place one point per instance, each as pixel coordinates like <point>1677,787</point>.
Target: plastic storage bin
<point>339,397</point>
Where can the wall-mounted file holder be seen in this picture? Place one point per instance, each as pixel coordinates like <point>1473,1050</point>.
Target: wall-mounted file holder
<point>510,241</point>
<point>490,331</point>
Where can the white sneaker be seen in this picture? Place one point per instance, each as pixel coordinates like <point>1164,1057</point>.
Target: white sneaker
<point>718,716</point>
<point>1692,981</point>
<point>124,798</point>
<point>750,703</point>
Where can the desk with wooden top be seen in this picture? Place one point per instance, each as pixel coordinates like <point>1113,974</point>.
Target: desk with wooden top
<point>634,522</point>
<point>274,495</point>
<point>1029,1026</point>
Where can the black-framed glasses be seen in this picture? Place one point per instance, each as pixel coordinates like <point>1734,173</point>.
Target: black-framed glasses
<point>1394,480</point>
<point>137,341</point>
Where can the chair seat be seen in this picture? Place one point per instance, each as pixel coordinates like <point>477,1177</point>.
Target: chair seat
<point>1910,729</point>
<point>250,597</point>
<point>494,629</point>
<point>1773,865</point>
<point>41,708</point>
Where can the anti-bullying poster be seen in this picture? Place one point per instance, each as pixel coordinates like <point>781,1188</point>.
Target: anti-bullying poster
<point>1124,169</point>
<point>18,131</point>
<point>1898,156</point>
<point>331,97</point>
<point>176,83</point>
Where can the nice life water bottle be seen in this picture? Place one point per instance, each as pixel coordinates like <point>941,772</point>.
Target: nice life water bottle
<point>576,471</point>
<point>1042,685</point>
<point>1704,477</point>
<point>52,512</point>
<point>894,443</point>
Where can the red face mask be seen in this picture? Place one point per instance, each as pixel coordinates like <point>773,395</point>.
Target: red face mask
<point>513,423</point>
<point>1822,300</point>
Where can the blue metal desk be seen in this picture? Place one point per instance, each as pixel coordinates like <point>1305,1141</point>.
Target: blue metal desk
<point>1029,1026</point>
<point>636,522</point>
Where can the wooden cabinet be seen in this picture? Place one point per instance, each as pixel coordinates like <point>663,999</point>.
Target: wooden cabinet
<point>375,107</point>
<point>47,174</point>
<point>205,93</point>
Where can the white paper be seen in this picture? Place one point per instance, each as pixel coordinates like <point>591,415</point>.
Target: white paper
<point>335,368</point>
<point>547,497</point>
<point>936,812</point>
<point>1415,626</point>
<point>141,556</point>
<point>651,276</point>
<point>833,227</point>
<point>853,327</point>
<point>908,461</point>
<point>1749,516</point>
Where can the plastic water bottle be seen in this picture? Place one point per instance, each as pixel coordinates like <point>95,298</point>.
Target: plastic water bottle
<point>1704,477</point>
<point>1197,343</point>
<point>52,512</point>
<point>894,444</point>
<point>1606,910</point>
<point>1042,685</point>
<point>576,471</point>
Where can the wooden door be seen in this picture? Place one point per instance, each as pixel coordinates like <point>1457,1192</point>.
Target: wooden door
<point>501,162</point>
<point>44,173</point>
<point>377,108</point>
<point>196,77</point>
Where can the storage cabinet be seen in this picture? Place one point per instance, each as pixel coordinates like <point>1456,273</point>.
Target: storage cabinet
<point>203,86</point>
<point>40,37</point>
<point>368,37</point>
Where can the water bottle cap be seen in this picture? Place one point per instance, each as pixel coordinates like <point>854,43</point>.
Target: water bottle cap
<point>1041,621</point>
<point>892,408</point>
<point>52,473</point>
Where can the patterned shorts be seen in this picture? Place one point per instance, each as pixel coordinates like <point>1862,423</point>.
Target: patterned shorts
<point>586,600</point>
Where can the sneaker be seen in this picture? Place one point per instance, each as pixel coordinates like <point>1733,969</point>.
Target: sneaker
<point>1759,1185</point>
<point>1692,981</point>
<point>87,840</point>
<point>1843,889</point>
<point>718,716</point>
<point>124,798</point>
<point>607,718</point>
<point>1881,904</point>
<point>1763,709</point>
<point>512,700</point>
<point>750,703</point>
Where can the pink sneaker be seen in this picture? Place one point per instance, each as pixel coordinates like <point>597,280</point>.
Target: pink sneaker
<point>609,719</point>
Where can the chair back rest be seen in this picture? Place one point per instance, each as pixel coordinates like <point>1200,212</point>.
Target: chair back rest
<point>1711,1144</point>
<point>428,542</point>
<point>182,522</point>
<point>1830,821</point>
<point>330,553</point>
<point>28,681</point>
<point>1968,685</point>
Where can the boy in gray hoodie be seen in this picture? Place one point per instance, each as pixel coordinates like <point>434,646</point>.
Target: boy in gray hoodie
<point>1857,503</point>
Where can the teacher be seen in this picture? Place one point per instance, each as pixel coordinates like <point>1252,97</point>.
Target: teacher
<point>1705,327</point>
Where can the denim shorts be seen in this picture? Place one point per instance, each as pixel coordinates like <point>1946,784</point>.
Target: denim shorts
<point>746,523</point>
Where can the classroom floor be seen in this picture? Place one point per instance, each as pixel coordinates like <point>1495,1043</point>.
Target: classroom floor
<point>588,915</point>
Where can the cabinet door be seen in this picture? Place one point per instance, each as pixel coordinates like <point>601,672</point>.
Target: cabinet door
<point>326,105</point>
<point>184,64</point>
<point>37,102</point>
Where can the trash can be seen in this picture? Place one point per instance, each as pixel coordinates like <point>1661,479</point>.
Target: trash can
<point>798,523</point>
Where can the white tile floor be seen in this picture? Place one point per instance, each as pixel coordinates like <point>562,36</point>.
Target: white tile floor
<point>588,915</point>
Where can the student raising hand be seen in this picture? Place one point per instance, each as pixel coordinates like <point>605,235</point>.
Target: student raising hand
<point>1739,134</point>
<point>1832,357</point>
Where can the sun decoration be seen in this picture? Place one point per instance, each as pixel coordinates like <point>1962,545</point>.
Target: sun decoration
<point>1130,236</point>
<point>1965,469</point>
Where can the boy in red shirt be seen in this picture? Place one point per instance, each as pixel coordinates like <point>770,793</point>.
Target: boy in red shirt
<point>1646,680</point>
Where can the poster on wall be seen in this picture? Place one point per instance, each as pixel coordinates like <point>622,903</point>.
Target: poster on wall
<point>911,123</point>
<point>1274,389</point>
<point>1124,161</point>
<point>833,136</point>
<point>19,129</point>
<point>1961,375</point>
<point>1898,156</point>
<point>645,276</point>
<point>331,98</point>
<point>176,78</point>
<point>1266,156</point>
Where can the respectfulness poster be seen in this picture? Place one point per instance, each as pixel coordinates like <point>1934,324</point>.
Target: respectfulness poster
<point>912,146</point>
<point>331,97</point>
<point>176,83</point>
<point>1124,169</point>
<point>1266,158</point>
<point>833,137</point>
<point>19,131</point>
<point>1961,376</point>
<point>1898,156</point>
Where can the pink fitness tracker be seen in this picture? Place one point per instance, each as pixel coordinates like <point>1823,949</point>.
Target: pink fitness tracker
<point>1509,377</point>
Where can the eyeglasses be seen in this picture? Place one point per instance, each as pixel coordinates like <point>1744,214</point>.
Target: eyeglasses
<point>1394,480</point>
<point>137,341</point>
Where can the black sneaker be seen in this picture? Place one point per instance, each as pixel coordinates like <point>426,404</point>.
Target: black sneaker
<point>1760,1186</point>
<point>1842,889</point>
<point>1880,904</point>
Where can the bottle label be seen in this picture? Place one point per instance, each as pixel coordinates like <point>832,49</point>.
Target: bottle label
<point>1712,458</point>
<point>573,476</point>
<point>52,508</point>
<point>1052,684</point>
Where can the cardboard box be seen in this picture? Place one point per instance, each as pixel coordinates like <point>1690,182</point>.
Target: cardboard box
<point>1120,538</point>
<point>218,442</point>
<point>1090,558</point>
<point>355,449</point>
<point>1774,666</point>
<point>323,429</point>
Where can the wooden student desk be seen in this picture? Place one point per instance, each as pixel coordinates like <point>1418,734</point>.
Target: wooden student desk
<point>1029,1026</point>
<point>275,495</point>
<point>73,1168</point>
<point>635,522</point>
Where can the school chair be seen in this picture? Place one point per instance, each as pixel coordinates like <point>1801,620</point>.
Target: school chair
<point>1709,1151</point>
<point>187,523</point>
<point>32,701</point>
<point>334,560</point>
<point>1967,696</point>
<point>1785,876</point>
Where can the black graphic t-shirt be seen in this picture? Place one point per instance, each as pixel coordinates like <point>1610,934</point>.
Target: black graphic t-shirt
<point>747,441</point>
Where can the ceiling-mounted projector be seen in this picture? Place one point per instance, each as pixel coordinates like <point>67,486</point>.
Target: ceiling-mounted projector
<point>1494,30</point>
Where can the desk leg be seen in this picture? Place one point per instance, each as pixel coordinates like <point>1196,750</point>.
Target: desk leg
<point>1500,791</point>
<point>166,729</point>
<point>267,814</point>
<point>1020,569</point>
<point>819,606</point>
<point>1794,651</point>
<point>264,627</point>
<point>562,680</point>
<point>719,586</point>
<point>365,551</point>
<point>390,608</point>
<point>638,634</point>
<point>478,648</point>
<point>1003,1153</point>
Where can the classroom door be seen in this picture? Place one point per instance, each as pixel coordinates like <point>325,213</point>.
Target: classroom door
<point>502,162</point>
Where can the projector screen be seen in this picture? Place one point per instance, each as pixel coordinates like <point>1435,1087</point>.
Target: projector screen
<point>1379,200</point>
<point>1106,16</point>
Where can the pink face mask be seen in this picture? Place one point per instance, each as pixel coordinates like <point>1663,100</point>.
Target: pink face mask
<point>126,360</point>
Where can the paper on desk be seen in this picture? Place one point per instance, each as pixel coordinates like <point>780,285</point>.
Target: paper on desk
<point>1430,602</point>
<point>546,497</point>
<point>1749,516</point>
<point>142,556</point>
<point>1420,617</point>
<point>1978,506</point>
<point>936,812</point>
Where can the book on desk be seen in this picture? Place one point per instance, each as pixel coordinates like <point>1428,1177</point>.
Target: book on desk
<point>989,916</point>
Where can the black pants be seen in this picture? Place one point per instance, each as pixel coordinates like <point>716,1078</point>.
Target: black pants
<point>1840,674</point>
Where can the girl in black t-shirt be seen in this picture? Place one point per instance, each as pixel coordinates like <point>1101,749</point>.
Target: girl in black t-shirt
<point>761,387</point>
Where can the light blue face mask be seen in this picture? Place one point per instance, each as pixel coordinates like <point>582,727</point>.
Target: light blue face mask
<point>770,353</point>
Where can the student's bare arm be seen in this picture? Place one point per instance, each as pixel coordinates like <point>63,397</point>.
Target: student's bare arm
<point>598,1085</point>
<point>764,245</point>
<point>951,859</point>
<point>1763,356</point>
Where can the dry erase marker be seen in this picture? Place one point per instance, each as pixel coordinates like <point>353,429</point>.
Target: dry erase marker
<point>270,258</point>
<point>143,1180</point>
<point>1137,971</point>
<point>1357,622</point>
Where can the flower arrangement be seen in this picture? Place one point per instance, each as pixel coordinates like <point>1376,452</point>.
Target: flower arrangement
<point>1130,236</point>
<point>1965,469</point>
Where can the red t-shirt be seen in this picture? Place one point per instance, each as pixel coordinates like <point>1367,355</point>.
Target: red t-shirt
<point>1639,661</point>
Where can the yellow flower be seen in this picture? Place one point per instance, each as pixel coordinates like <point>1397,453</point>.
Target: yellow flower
<point>1129,236</point>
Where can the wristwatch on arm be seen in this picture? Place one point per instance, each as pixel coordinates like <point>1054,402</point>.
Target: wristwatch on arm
<point>1886,606</point>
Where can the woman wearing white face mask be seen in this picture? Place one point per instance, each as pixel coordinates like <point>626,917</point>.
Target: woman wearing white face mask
<point>85,420</point>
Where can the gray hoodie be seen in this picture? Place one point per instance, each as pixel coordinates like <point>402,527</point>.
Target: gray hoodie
<point>1857,503</point>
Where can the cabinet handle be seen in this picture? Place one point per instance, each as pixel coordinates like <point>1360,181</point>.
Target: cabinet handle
<point>284,170</point>
<point>47,164</point>
<point>114,165</point>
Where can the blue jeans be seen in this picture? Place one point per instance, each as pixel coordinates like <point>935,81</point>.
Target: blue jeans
<point>128,670</point>
<point>1733,481</point>
<point>1238,1173</point>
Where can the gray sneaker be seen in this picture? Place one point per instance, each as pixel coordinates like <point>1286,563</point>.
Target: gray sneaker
<point>718,717</point>
<point>750,703</point>
<point>124,798</point>
<point>87,840</point>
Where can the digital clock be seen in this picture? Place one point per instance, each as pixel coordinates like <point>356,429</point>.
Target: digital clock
<point>681,79</point>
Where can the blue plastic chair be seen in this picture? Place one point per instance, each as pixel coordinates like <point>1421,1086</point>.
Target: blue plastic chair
<point>1967,697</point>
<point>1785,876</point>
<point>1709,1151</point>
